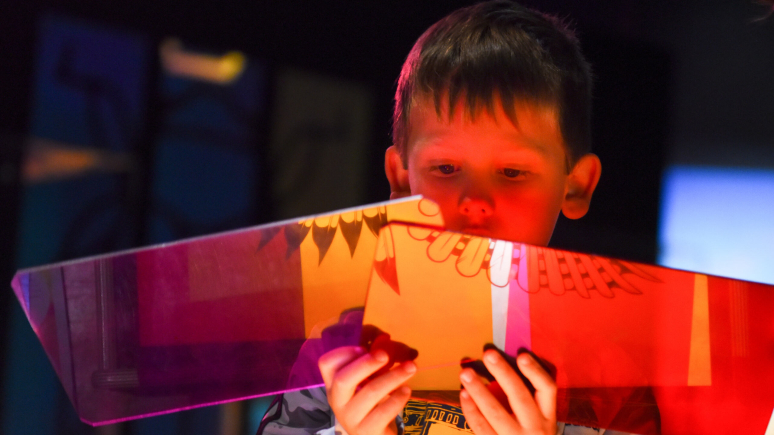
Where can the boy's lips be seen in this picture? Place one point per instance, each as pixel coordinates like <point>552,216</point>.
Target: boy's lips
<point>481,228</point>
<point>477,230</point>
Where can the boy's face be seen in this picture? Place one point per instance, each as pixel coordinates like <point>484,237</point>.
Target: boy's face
<point>490,177</point>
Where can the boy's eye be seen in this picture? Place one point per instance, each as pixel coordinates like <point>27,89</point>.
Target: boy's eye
<point>512,173</point>
<point>446,169</point>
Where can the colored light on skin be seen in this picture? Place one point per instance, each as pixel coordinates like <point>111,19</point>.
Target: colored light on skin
<point>535,149</point>
<point>489,176</point>
<point>216,69</point>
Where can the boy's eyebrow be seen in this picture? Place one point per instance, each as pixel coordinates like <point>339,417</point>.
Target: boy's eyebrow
<point>538,147</point>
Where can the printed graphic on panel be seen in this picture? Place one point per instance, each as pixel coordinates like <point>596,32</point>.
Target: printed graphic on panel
<point>547,269</point>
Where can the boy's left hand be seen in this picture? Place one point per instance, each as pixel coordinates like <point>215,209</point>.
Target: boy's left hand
<point>484,413</point>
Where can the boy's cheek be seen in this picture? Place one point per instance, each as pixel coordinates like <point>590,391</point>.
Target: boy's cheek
<point>530,222</point>
<point>443,194</point>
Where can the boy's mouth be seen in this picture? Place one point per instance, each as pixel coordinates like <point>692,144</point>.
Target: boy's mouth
<point>479,227</point>
<point>477,230</point>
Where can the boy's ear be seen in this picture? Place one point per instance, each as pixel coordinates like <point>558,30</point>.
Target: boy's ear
<point>581,183</point>
<point>397,175</point>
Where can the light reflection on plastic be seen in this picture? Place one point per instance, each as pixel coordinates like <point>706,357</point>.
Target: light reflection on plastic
<point>719,221</point>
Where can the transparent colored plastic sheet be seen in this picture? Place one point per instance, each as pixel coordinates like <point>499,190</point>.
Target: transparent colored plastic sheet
<point>636,348</point>
<point>206,320</point>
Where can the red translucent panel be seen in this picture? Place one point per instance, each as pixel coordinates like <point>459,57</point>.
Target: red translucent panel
<point>637,348</point>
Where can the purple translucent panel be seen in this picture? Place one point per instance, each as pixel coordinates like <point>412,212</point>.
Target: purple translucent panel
<point>203,321</point>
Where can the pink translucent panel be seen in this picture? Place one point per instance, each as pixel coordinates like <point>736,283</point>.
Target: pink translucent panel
<point>207,320</point>
<point>637,348</point>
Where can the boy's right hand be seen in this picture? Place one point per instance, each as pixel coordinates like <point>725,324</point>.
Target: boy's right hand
<point>370,407</point>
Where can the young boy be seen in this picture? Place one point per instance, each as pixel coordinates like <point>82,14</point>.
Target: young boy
<point>491,121</point>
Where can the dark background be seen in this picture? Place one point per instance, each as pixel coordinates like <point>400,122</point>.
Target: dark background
<point>685,82</point>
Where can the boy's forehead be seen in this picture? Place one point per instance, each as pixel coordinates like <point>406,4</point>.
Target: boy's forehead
<point>461,110</point>
<point>536,120</point>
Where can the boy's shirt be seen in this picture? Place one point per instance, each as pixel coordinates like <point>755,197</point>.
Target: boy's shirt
<point>426,418</point>
<point>306,412</point>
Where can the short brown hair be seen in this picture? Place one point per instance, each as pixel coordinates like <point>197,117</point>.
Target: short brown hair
<point>499,49</point>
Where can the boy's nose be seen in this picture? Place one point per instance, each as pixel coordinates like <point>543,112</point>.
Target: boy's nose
<point>476,208</point>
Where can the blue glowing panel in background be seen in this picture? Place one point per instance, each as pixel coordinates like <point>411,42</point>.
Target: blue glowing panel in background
<point>89,84</point>
<point>719,221</point>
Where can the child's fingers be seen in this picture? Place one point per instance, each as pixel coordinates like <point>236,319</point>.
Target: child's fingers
<point>384,413</point>
<point>473,416</point>
<point>370,396</point>
<point>545,387</point>
<point>344,378</point>
<point>522,403</point>
<point>490,408</point>
<point>333,361</point>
